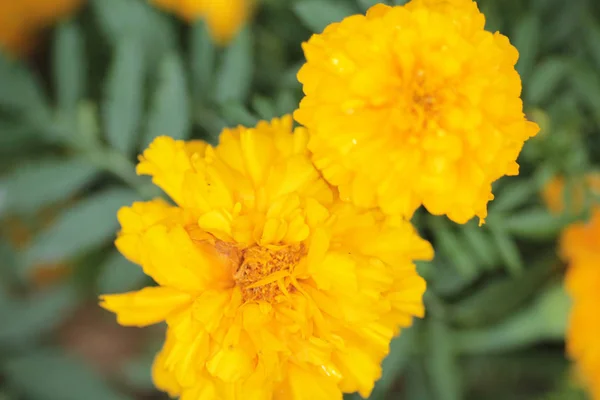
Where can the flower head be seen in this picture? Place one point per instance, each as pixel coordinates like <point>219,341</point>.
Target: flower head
<point>580,246</point>
<point>21,20</point>
<point>271,287</point>
<point>223,17</point>
<point>414,105</point>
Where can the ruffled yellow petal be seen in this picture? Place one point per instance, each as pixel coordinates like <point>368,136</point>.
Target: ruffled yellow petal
<point>167,161</point>
<point>147,306</point>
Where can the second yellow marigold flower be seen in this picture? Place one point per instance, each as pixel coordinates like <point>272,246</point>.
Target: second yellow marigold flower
<point>414,105</point>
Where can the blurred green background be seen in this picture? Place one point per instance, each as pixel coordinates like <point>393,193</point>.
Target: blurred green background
<point>100,85</point>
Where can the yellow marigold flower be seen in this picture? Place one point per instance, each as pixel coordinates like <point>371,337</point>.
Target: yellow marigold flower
<point>414,105</point>
<point>554,192</point>
<point>223,17</point>
<point>271,287</point>
<point>20,20</point>
<point>580,246</point>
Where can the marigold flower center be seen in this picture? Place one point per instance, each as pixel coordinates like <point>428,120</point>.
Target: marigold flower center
<point>263,273</point>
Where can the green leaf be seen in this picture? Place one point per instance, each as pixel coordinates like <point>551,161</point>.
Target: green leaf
<point>22,93</point>
<point>136,19</point>
<point>203,62</point>
<point>236,114</point>
<point>480,244</point>
<point>592,38</point>
<point>123,102</point>
<point>170,112</point>
<point>286,102</point>
<point>366,4</point>
<point>138,373</point>
<point>69,67</point>
<point>545,79</point>
<point>85,226</point>
<point>536,223</point>
<point>586,84</point>
<point>36,184</point>
<point>235,74</point>
<point>394,363</point>
<point>526,38</point>
<point>508,249</point>
<point>34,318</point>
<point>546,319</point>
<point>118,275</point>
<point>452,247</point>
<point>442,363</point>
<point>513,195</point>
<point>317,14</point>
<point>500,297</point>
<point>264,107</point>
<point>52,375</point>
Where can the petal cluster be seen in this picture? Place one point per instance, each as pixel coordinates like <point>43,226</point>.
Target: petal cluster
<point>414,105</point>
<point>223,17</point>
<point>580,247</point>
<point>270,285</point>
<point>21,19</point>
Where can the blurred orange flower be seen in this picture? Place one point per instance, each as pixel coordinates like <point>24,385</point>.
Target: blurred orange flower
<point>554,194</point>
<point>223,17</point>
<point>580,247</point>
<point>21,20</point>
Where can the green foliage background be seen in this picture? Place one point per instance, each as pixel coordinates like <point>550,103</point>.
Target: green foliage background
<point>119,73</point>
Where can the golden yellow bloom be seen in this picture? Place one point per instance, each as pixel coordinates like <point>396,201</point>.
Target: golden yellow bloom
<point>20,20</point>
<point>580,246</point>
<point>414,105</point>
<point>271,287</point>
<point>223,17</point>
<point>554,192</point>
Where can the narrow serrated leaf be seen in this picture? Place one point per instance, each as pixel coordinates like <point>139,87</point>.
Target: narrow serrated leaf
<point>203,62</point>
<point>537,223</point>
<point>507,248</point>
<point>87,225</point>
<point>513,194</point>
<point>317,14</point>
<point>442,363</point>
<point>118,275</point>
<point>526,38</point>
<point>235,73</point>
<point>498,298</point>
<point>137,19</point>
<point>123,102</point>
<point>264,107</point>
<point>236,114</point>
<point>392,366</point>
<point>36,184</point>
<point>452,247</point>
<point>480,244</point>
<point>170,112</point>
<point>69,67</point>
<point>546,319</point>
<point>44,375</point>
<point>22,93</point>
<point>28,320</point>
<point>545,79</point>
